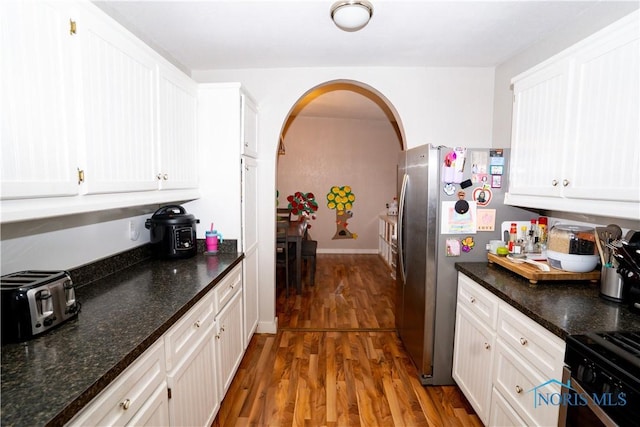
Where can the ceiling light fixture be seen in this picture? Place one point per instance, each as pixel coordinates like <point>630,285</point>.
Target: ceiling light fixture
<point>351,15</point>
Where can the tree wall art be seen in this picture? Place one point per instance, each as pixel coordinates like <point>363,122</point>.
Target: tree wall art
<point>341,200</point>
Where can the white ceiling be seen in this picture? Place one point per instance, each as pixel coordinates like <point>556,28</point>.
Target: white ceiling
<point>228,34</point>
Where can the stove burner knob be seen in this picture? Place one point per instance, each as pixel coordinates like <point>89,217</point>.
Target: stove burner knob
<point>617,391</point>
<point>580,373</point>
<point>590,374</point>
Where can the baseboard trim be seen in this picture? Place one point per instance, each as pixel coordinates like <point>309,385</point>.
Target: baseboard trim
<point>268,327</point>
<point>348,251</point>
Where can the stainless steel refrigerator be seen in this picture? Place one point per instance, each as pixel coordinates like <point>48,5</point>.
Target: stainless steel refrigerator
<point>426,275</point>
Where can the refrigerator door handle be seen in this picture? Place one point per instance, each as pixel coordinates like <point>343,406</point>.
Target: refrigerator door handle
<point>403,191</point>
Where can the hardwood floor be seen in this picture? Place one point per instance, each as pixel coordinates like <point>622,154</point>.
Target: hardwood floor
<point>337,361</point>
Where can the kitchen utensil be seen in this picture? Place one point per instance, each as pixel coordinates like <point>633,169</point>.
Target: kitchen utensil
<point>600,249</point>
<point>541,266</point>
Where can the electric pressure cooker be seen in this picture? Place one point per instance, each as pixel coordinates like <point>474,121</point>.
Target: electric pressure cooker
<point>173,233</point>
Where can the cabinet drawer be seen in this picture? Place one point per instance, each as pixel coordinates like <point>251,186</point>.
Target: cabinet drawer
<point>503,415</point>
<point>523,387</point>
<point>537,345</point>
<point>478,300</point>
<point>188,331</point>
<point>122,399</point>
<point>228,287</point>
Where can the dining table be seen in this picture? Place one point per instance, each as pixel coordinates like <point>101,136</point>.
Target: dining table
<point>296,232</point>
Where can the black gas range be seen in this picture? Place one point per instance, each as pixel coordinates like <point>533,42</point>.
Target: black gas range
<point>602,379</point>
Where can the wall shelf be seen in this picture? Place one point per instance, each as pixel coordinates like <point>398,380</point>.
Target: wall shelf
<point>387,240</point>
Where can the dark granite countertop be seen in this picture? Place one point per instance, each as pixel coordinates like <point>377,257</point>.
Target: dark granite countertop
<point>564,308</point>
<point>47,380</point>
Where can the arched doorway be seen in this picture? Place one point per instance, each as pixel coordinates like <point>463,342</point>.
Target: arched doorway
<point>345,134</point>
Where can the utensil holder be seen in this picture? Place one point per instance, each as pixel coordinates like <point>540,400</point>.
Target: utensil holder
<point>611,284</point>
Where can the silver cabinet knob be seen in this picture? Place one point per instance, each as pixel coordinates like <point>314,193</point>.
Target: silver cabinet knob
<point>523,341</point>
<point>159,176</point>
<point>165,176</point>
<point>554,182</point>
<point>565,182</point>
<point>472,299</point>
<point>125,404</point>
<point>197,324</point>
<point>518,389</point>
<point>487,346</point>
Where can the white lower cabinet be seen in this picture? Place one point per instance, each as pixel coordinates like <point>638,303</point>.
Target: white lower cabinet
<point>195,397</point>
<point>191,374</point>
<point>474,344</point>
<point>182,378</point>
<point>129,399</point>
<point>504,361</point>
<point>502,414</point>
<point>230,336</point>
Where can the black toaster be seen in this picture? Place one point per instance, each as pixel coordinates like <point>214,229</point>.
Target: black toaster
<point>34,302</point>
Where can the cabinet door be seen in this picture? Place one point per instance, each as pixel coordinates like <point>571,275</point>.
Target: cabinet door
<point>472,360</point>
<point>539,131</point>
<point>195,397</point>
<point>605,161</point>
<point>249,203</point>
<point>177,143</point>
<point>230,345</point>
<point>250,298</point>
<point>118,86</point>
<point>249,137</point>
<point>39,151</point>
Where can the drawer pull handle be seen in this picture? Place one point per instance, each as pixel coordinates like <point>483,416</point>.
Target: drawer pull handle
<point>197,324</point>
<point>518,389</point>
<point>554,182</point>
<point>487,346</point>
<point>565,182</point>
<point>523,341</point>
<point>125,404</point>
<point>472,299</point>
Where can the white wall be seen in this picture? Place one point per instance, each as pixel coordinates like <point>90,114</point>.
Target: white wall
<point>71,241</point>
<point>594,19</point>
<point>322,152</point>
<point>443,106</point>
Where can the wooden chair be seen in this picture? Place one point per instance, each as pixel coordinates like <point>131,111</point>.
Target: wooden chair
<point>309,249</point>
<point>284,257</point>
<point>282,214</point>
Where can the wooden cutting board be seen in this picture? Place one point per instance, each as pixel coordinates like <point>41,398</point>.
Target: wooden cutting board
<point>534,274</point>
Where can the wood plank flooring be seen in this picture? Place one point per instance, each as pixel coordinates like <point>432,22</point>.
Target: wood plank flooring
<point>337,361</point>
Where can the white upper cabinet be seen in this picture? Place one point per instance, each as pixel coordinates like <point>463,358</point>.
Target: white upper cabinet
<point>38,137</point>
<point>177,139</point>
<point>118,89</point>
<point>605,129</point>
<point>539,131</point>
<point>249,127</point>
<point>575,137</point>
<point>89,109</point>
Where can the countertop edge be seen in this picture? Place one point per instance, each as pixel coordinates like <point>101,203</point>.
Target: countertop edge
<point>103,382</point>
